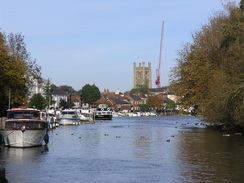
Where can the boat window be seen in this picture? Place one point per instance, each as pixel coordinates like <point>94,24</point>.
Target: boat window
<point>32,125</point>
<point>9,125</point>
<point>68,112</point>
<point>18,125</point>
<point>30,114</point>
<point>13,115</point>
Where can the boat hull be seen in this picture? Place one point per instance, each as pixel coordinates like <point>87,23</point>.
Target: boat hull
<point>28,138</point>
<point>103,117</point>
<point>68,121</point>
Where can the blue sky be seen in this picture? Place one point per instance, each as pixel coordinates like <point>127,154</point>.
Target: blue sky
<point>78,42</point>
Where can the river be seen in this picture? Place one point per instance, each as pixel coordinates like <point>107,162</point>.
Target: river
<point>170,149</point>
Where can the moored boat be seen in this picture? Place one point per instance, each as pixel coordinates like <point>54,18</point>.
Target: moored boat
<point>103,113</point>
<point>24,128</point>
<point>69,117</point>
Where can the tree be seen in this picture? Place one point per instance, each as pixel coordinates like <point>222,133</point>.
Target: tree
<point>68,89</point>
<point>170,105</point>
<point>209,73</point>
<point>16,69</point>
<point>144,107</point>
<point>18,52</point>
<point>4,79</point>
<point>90,93</point>
<point>48,92</point>
<point>242,5</point>
<point>66,105</point>
<point>37,101</point>
<point>70,92</point>
<point>154,102</point>
<point>63,104</point>
<point>142,89</point>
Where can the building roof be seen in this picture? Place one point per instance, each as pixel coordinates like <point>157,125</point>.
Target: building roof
<point>75,98</point>
<point>135,97</point>
<point>119,101</point>
<point>166,100</point>
<point>162,89</point>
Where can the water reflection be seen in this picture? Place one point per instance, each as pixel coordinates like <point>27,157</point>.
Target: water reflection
<point>207,155</point>
<point>22,154</point>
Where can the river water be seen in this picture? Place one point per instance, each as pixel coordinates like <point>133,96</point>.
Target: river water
<point>171,149</point>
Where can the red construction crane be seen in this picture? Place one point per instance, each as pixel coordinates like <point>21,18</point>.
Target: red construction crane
<point>157,82</point>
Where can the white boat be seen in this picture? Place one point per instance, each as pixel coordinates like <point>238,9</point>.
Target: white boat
<point>24,128</point>
<point>69,117</point>
<point>103,112</point>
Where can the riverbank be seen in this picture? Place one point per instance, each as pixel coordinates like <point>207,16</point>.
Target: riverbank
<point>230,128</point>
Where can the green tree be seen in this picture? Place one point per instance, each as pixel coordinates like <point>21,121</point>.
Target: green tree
<point>37,101</point>
<point>70,92</point>
<point>144,107</point>
<point>68,89</point>
<point>142,89</point>
<point>48,92</point>
<point>63,104</point>
<point>170,105</point>
<point>90,93</point>
<point>209,72</point>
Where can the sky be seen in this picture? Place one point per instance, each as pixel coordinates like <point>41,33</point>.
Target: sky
<point>79,42</point>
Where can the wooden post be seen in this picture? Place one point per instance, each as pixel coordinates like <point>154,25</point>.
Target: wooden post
<point>2,175</point>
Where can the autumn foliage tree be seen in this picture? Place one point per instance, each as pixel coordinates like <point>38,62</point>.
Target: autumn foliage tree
<point>17,68</point>
<point>209,74</point>
<point>155,102</point>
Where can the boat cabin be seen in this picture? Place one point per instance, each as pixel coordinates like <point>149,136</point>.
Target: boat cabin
<point>24,119</point>
<point>17,114</point>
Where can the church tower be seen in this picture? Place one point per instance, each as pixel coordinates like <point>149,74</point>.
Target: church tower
<point>142,75</point>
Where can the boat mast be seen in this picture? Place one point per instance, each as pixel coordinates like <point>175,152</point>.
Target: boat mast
<point>9,92</point>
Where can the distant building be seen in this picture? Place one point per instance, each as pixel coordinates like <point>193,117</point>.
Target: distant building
<point>57,96</point>
<point>135,101</point>
<point>142,75</point>
<point>157,91</point>
<point>120,104</point>
<point>76,100</point>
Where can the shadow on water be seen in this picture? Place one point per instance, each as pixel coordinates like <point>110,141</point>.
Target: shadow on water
<point>208,156</point>
<point>142,149</point>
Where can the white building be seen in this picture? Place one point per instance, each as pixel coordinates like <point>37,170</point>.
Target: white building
<point>37,86</point>
<point>57,96</point>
